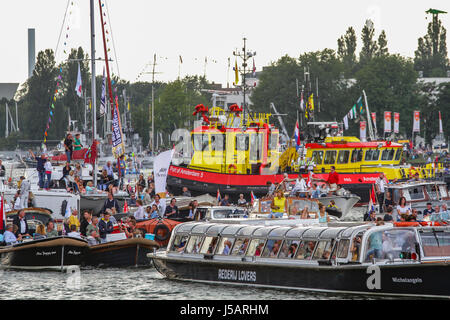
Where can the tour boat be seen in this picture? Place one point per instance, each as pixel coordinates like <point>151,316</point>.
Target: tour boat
<point>386,260</point>
<point>56,253</point>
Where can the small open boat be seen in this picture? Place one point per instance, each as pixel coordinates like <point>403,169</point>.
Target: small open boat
<point>121,253</point>
<point>56,253</point>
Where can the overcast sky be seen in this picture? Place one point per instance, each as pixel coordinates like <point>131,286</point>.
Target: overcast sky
<point>197,29</point>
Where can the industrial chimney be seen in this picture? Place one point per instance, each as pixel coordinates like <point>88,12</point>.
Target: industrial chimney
<point>31,52</point>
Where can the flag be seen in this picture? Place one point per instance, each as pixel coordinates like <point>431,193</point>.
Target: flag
<point>218,196</point>
<point>103,96</point>
<point>128,105</point>
<point>360,105</point>
<point>254,68</point>
<point>236,74</point>
<point>302,102</point>
<point>440,123</point>
<point>311,102</point>
<point>362,130</point>
<point>3,217</point>
<point>297,136</point>
<point>125,207</point>
<point>253,198</point>
<point>78,86</point>
<point>345,122</point>
<point>374,119</point>
<point>372,199</point>
<point>396,122</point>
<point>416,123</point>
<point>387,121</point>
<point>181,60</point>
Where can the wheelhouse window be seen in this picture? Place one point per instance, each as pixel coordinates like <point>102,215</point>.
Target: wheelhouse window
<point>391,244</point>
<point>372,155</point>
<point>193,245</point>
<point>432,191</point>
<point>443,191</point>
<point>288,249</point>
<point>398,155</point>
<point>387,155</point>
<point>357,156</point>
<point>306,249</point>
<point>256,146</point>
<point>217,142</point>
<point>225,245</point>
<point>343,156</point>
<point>435,243</point>
<point>201,142</point>
<point>242,142</point>
<point>255,248</point>
<point>323,250</point>
<point>272,248</point>
<point>317,157</point>
<point>240,246</point>
<point>330,157</point>
<point>273,141</point>
<point>209,245</point>
<point>179,243</point>
<point>414,193</point>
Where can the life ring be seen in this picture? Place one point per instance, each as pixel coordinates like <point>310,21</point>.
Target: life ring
<point>232,169</point>
<point>161,229</point>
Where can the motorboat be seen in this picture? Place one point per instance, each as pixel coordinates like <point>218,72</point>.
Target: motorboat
<point>55,253</point>
<point>343,203</point>
<point>360,259</point>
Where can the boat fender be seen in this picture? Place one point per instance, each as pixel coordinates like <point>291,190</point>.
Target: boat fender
<point>159,227</point>
<point>232,169</point>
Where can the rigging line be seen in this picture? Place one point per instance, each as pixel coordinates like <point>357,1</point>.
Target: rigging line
<point>62,27</point>
<point>112,38</point>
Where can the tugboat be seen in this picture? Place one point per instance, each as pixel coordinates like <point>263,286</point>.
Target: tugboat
<point>412,261</point>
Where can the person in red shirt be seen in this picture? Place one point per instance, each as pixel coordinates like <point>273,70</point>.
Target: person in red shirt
<point>333,179</point>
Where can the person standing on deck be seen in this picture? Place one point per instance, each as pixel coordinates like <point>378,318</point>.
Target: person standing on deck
<point>68,146</point>
<point>25,187</point>
<point>333,179</point>
<point>77,142</point>
<point>122,166</point>
<point>40,162</point>
<point>380,185</point>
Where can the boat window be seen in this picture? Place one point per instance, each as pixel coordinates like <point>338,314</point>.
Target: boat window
<point>395,243</point>
<point>201,142</point>
<point>242,142</point>
<point>193,245</point>
<point>398,155</point>
<point>240,246</point>
<point>387,155</point>
<point>317,157</point>
<point>443,191</point>
<point>342,250</point>
<point>225,245</point>
<point>435,244</point>
<point>272,248</point>
<point>288,249</point>
<point>415,193</point>
<point>256,144</point>
<point>330,157</point>
<point>432,192</point>
<point>179,243</point>
<point>209,244</point>
<point>323,250</point>
<point>222,213</point>
<point>255,248</point>
<point>306,250</point>
<point>343,156</point>
<point>356,247</point>
<point>357,155</point>
<point>372,155</point>
<point>217,142</point>
<point>273,141</point>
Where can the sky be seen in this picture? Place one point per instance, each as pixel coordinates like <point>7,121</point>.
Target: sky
<point>197,29</point>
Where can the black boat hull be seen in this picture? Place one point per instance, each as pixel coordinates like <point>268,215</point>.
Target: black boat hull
<point>122,253</point>
<point>424,280</point>
<point>57,253</point>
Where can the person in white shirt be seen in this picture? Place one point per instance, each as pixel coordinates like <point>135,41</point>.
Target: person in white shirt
<point>140,213</point>
<point>17,201</point>
<point>73,232</point>
<point>8,235</point>
<point>48,173</point>
<point>380,185</point>
<point>25,187</point>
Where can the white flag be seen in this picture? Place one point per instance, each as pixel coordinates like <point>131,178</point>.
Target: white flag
<point>346,122</point>
<point>160,169</point>
<point>416,123</point>
<point>78,86</point>
<point>440,124</point>
<point>362,130</point>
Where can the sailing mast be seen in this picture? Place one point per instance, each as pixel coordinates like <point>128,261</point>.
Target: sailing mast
<point>93,95</point>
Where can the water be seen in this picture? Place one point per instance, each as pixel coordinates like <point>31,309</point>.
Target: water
<point>135,284</point>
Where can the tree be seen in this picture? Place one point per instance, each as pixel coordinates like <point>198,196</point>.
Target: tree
<point>382,49</point>
<point>347,49</point>
<point>431,54</point>
<point>370,46</point>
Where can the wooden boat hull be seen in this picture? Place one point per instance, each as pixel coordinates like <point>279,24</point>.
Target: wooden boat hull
<point>57,253</point>
<point>122,253</point>
<point>418,279</point>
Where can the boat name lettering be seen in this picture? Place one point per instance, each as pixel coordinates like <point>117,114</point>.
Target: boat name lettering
<point>73,252</point>
<point>407,280</point>
<point>241,275</point>
<point>45,253</point>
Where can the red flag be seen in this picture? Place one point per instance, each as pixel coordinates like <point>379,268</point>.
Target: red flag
<point>2,215</point>
<point>125,207</point>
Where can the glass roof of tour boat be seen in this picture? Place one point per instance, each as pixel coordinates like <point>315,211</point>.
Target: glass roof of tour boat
<point>215,229</point>
<point>248,231</point>
<point>296,232</point>
<point>332,233</point>
<point>279,232</point>
<point>232,230</point>
<point>313,232</point>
